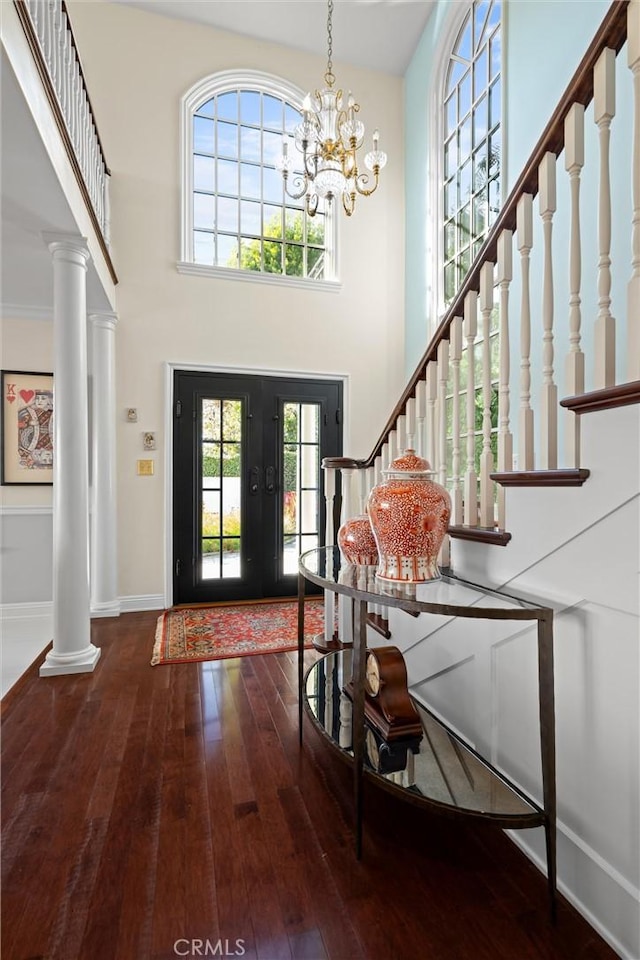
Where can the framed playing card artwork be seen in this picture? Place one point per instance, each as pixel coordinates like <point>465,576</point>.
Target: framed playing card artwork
<point>27,427</point>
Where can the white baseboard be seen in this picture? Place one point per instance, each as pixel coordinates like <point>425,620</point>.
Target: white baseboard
<point>620,890</point>
<point>25,611</point>
<point>149,601</point>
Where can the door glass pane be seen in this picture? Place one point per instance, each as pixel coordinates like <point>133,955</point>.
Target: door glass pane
<point>220,479</point>
<point>301,481</point>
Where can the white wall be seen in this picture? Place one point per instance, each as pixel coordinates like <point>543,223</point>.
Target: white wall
<point>138,65</point>
<point>577,551</point>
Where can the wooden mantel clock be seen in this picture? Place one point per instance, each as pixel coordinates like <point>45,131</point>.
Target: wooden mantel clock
<point>388,706</point>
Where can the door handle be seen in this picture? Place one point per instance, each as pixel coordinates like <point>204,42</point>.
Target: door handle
<point>254,481</point>
<point>270,479</point>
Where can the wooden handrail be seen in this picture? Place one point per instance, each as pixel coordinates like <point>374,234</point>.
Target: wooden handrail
<point>612,33</point>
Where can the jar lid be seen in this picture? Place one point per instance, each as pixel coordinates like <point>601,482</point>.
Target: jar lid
<point>409,463</point>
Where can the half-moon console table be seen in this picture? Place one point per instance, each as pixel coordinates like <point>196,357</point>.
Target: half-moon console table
<point>438,769</point>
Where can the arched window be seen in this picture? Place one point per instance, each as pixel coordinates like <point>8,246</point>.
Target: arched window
<point>472,149</point>
<point>236,219</point>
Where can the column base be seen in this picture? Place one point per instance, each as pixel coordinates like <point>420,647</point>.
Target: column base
<point>82,661</point>
<point>108,609</point>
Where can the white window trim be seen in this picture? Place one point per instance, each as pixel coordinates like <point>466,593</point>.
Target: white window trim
<point>204,89</point>
<point>451,29</point>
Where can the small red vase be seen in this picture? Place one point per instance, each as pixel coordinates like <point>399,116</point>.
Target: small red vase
<point>409,514</point>
<point>357,542</point>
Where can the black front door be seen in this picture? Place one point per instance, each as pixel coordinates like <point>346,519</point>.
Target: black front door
<point>247,485</point>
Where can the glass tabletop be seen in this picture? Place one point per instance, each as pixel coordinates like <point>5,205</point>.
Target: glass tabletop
<point>436,766</point>
<point>447,595</point>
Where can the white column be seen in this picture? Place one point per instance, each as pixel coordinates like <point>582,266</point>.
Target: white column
<point>72,650</point>
<point>104,558</point>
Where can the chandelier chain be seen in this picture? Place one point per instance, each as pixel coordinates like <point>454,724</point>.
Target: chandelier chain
<point>329,77</point>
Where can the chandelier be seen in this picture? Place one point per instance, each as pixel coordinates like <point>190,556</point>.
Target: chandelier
<point>329,138</point>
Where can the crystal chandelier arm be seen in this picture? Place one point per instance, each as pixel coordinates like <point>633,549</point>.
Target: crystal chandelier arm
<point>348,202</point>
<point>299,180</point>
<point>361,179</point>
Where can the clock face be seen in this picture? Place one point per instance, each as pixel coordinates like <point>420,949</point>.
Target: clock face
<point>372,676</point>
<point>373,750</point>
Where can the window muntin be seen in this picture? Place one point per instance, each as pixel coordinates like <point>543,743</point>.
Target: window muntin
<point>241,218</point>
<point>472,142</point>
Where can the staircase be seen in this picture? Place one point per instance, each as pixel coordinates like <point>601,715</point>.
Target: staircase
<point>526,404</point>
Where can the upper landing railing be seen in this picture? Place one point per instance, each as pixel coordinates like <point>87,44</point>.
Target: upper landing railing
<point>457,407</point>
<point>48,31</point>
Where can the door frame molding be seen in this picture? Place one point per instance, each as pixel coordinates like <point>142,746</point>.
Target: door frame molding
<point>170,368</point>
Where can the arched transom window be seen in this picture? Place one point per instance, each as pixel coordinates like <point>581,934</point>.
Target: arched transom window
<point>472,141</point>
<point>236,215</point>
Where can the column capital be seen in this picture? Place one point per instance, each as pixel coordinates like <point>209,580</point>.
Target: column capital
<point>68,246</point>
<point>107,319</point>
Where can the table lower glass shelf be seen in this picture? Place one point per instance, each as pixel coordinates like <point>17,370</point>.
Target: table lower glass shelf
<point>436,768</point>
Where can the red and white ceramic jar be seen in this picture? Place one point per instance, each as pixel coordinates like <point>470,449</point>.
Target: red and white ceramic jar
<point>409,514</point>
<point>357,543</point>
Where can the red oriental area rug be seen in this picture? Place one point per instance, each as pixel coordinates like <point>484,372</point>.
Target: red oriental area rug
<point>215,633</point>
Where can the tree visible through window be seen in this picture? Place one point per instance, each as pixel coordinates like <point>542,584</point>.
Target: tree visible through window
<point>472,141</point>
<point>241,216</point>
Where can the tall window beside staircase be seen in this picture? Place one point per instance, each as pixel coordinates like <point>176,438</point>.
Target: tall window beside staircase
<point>471,184</point>
<point>236,217</point>
<point>472,147</point>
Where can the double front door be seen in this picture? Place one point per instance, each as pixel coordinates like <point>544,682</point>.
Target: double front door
<point>247,483</point>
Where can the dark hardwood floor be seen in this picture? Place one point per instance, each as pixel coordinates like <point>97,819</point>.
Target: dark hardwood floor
<point>148,810</point>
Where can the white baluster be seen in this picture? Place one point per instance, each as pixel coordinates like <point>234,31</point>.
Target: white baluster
<point>421,412</point>
<point>443,376</point>
<point>345,632</point>
<point>604,108</point>
<point>346,510</point>
<point>573,163</point>
<point>57,49</point>
<point>393,445</point>
<point>487,518</point>
<point>378,467</point>
<point>410,414</point>
<point>525,243</point>
<point>401,432</point>
<point>385,459</point>
<point>107,209</point>
<point>549,404</point>
<point>471,480</point>
<point>456,355</point>
<point>505,437</point>
<point>363,489</point>
<point>633,290</point>
<point>64,67</point>
<point>432,388</point>
<point>329,599</point>
<point>46,34</point>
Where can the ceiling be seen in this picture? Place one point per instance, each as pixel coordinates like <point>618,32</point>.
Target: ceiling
<point>361,28</point>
